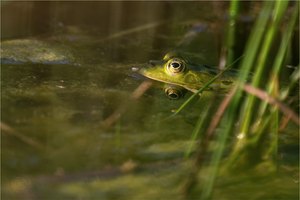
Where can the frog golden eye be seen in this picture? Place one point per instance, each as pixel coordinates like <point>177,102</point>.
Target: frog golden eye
<point>175,65</point>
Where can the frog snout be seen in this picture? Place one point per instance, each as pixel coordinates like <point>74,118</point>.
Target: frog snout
<point>155,62</point>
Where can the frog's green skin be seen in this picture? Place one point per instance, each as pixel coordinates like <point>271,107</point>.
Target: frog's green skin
<point>177,71</point>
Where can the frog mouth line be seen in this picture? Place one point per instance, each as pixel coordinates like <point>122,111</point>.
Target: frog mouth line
<point>172,83</point>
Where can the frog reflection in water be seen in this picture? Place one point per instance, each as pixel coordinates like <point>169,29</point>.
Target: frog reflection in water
<point>177,71</point>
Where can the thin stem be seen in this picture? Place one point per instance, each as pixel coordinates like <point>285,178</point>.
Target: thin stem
<point>189,100</point>
<point>233,13</point>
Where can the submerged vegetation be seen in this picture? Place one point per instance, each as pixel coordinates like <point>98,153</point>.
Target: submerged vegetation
<point>254,113</point>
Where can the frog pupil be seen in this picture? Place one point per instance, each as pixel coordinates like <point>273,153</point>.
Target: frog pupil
<point>175,65</point>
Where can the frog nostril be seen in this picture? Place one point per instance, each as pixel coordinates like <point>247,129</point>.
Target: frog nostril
<point>154,62</point>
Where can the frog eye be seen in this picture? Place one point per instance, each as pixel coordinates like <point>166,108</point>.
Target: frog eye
<point>175,65</point>
<point>174,92</point>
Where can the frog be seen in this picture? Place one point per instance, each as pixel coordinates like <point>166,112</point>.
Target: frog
<point>175,69</point>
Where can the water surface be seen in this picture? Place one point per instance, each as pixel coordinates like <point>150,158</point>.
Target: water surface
<point>68,68</point>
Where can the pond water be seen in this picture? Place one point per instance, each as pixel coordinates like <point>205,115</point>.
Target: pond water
<point>67,67</point>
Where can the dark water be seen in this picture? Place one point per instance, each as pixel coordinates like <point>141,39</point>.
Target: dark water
<point>66,67</point>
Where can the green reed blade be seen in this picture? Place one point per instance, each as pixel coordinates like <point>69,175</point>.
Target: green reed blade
<point>216,157</point>
<point>197,129</point>
<point>295,77</point>
<point>230,40</point>
<point>272,150</point>
<point>279,59</point>
<point>247,63</point>
<point>280,7</point>
<point>189,100</point>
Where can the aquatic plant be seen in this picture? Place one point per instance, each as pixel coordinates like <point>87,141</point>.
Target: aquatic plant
<point>252,111</point>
